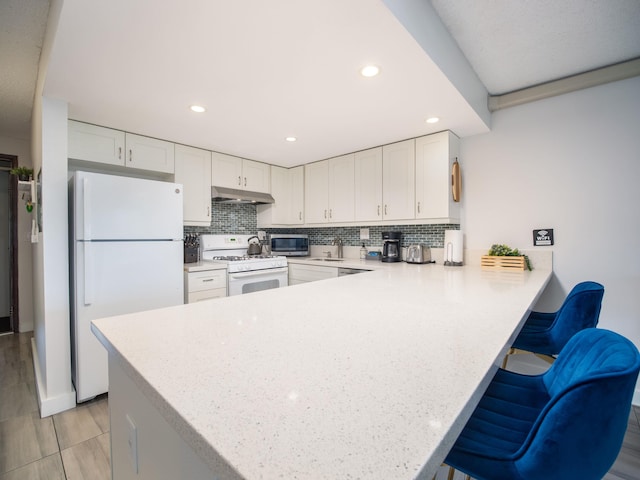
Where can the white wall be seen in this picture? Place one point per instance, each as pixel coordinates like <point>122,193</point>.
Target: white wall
<point>52,352</point>
<point>21,148</point>
<point>571,163</point>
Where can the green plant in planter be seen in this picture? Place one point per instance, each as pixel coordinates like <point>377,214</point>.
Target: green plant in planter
<point>505,251</point>
<point>23,173</point>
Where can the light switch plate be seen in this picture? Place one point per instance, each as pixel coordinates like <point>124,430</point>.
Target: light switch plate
<point>364,234</point>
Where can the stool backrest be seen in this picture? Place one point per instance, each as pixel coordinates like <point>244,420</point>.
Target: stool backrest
<point>580,310</point>
<point>579,432</point>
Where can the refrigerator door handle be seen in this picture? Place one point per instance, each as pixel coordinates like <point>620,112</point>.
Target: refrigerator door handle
<point>88,269</point>
<point>86,209</point>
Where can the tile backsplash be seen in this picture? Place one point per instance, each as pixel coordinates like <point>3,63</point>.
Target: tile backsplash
<point>241,219</point>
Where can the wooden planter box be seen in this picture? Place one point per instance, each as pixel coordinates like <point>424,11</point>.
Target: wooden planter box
<point>489,262</point>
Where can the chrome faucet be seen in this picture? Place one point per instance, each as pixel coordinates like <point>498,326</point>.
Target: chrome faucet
<point>338,241</point>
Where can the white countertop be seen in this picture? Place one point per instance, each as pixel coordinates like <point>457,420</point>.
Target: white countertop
<point>204,265</point>
<point>365,376</point>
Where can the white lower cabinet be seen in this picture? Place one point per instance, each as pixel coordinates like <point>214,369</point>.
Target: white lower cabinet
<point>204,284</point>
<point>300,273</point>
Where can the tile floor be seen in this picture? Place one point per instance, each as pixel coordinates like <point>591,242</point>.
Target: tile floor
<point>74,445</point>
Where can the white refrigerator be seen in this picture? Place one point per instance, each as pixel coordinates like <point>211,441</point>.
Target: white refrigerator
<point>126,246</point>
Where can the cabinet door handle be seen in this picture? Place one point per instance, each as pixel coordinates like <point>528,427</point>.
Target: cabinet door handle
<point>385,208</point>
<point>418,207</point>
<point>119,153</point>
<point>130,155</point>
<point>208,211</point>
<point>245,181</point>
<point>325,213</point>
<point>239,180</point>
<point>300,215</point>
<point>207,279</point>
<point>330,213</point>
<point>378,210</point>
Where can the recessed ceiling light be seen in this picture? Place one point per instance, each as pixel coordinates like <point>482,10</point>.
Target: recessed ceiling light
<point>291,139</point>
<point>370,71</point>
<point>198,108</point>
<point>433,120</point>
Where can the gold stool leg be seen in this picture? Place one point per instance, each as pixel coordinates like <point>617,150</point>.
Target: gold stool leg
<point>511,351</point>
<point>452,471</point>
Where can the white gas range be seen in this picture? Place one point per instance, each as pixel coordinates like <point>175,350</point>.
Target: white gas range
<point>245,273</point>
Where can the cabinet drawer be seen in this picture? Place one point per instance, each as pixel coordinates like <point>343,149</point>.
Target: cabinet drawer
<point>207,294</point>
<point>206,280</point>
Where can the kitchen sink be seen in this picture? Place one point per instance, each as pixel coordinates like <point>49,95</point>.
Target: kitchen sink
<point>327,259</point>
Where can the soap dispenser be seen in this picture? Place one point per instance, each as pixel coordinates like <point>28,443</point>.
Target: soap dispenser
<point>363,252</point>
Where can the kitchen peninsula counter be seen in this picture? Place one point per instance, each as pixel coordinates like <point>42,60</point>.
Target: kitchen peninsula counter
<point>365,376</point>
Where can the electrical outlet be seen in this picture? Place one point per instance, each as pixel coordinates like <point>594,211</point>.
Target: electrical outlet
<point>132,441</point>
<point>364,234</point>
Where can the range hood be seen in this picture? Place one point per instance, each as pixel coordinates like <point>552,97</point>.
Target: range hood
<point>232,195</point>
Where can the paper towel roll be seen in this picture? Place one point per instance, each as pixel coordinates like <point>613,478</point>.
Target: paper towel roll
<point>453,247</point>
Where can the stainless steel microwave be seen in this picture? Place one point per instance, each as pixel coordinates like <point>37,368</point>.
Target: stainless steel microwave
<point>289,244</point>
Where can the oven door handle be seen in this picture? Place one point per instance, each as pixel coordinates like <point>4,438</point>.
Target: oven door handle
<point>257,273</point>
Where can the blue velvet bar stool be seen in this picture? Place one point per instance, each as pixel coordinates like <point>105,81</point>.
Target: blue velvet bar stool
<point>546,333</point>
<point>567,423</point>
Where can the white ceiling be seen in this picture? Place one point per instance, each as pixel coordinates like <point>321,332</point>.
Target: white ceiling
<point>267,70</point>
<point>516,44</point>
<point>22,25</point>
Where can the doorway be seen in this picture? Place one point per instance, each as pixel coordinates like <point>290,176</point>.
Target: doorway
<point>8,246</point>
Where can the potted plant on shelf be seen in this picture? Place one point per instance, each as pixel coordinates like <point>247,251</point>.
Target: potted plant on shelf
<point>23,173</point>
<point>502,257</point>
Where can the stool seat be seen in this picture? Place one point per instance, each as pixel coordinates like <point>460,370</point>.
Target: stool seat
<point>547,333</point>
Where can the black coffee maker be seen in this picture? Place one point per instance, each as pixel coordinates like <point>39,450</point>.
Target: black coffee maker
<point>391,251</point>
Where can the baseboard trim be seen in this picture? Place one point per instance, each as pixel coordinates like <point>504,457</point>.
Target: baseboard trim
<point>49,405</point>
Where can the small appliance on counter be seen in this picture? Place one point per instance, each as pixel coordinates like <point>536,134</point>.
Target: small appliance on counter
<point>191,247</point>
<point>391,247</point>
<point>453,248</point>
<point>418,254</point>
<point>289,244</point>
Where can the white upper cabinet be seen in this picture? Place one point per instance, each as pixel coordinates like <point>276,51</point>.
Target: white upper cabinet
<point>329,195</point>
<point>226,170</point>
<point>113,147</point>
<point>368,185</point>
<point>398,180</point>
<point>193,171</point>
<point>287,189</point>
<point>256,176</point>
<point>341,183</point>
<point>296,177</point>
<point>316,192</point>
<point>435,155</point>
<point>149,153</point>
<point>242,174</point>
<point>92,143</point>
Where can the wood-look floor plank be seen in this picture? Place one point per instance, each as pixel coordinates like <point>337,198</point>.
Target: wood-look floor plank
<point>75,426</point>
<point>26,439</point>
<point>90,459</point>
<point>48,468</point>
<point>17,400</point>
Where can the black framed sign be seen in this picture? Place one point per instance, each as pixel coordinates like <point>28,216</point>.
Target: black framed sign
<point>543,237</point>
